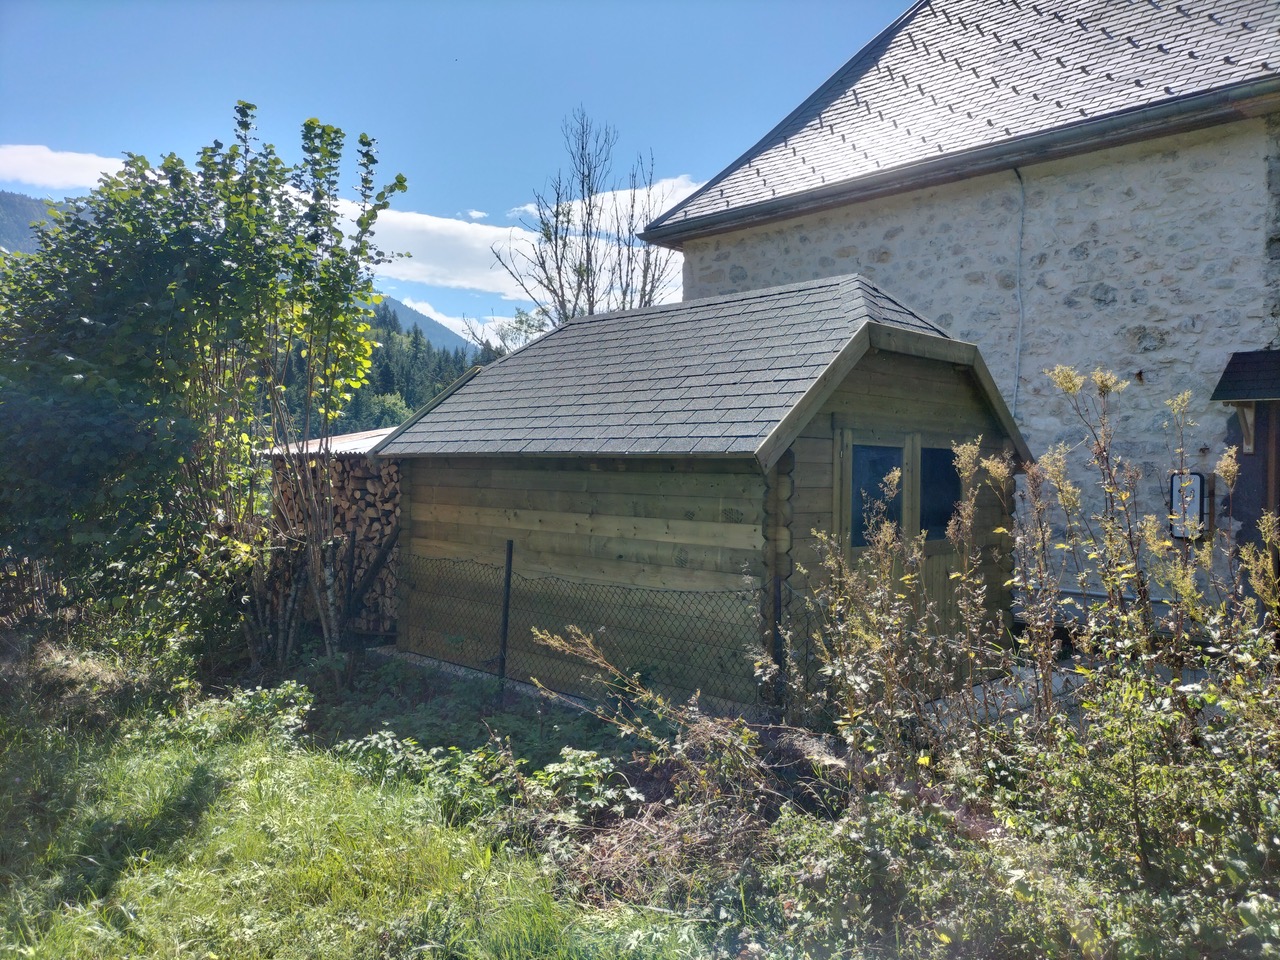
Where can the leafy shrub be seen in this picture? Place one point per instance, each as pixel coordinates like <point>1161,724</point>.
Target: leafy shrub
<point>986,797</point>
<point>486,785</point>
<point>278,713</point>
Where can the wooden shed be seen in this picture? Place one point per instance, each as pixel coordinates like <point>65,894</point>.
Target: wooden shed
<point>660,473</point>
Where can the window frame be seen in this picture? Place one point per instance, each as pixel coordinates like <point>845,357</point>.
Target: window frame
<point>847,435</point>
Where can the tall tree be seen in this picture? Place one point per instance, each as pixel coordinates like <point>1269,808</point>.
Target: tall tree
<point>172,326</point>
<point>585,256</point>
<point>407,371</point>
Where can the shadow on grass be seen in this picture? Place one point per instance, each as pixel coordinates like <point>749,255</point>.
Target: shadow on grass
<point>439,709</point>
<point>107,848</point>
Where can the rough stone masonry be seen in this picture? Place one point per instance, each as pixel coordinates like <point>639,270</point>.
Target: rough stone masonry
<point>1155,260</point>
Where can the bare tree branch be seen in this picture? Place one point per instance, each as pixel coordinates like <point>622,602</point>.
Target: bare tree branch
<point>586,257</point>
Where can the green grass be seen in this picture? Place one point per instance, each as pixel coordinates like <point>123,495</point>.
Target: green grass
<point>441,710</point>
<point>205,836</point>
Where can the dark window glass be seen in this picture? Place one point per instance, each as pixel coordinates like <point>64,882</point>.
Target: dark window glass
<point>939,491</point>
<point>870,466</point>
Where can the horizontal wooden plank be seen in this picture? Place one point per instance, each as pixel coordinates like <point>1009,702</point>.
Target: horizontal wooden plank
<point>813,476</point>
<point>804,523</point>
<point>417,636</point>
<point>734,535</point>
<point>881,372</point>
<point>671,650</point>
<point>616,468</point>
<point>710,618</point>
<point>819,428</point>
<point>684,556</point>
<point>589,569</point>
<point>736,485</point>
<point>649,504</point>
<point>704,634</point>
<point>453,636</point>
<point>936,414</point>
<point>561,674</point>
<point>810,498</point>
<point>891,432</point>
<point>810,450</point>
<point>675,677</point>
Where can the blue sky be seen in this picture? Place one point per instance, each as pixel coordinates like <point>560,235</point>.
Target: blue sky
<point>466,99</point>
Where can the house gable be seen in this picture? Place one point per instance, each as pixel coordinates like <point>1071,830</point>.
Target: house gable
<point>957,88</point>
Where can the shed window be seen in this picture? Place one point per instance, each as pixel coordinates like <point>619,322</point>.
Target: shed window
<point>871,464</point>
<point>939,490</point>
<point>927,493</point>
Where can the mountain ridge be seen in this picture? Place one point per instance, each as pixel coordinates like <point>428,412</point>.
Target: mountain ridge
<point>433,331</point>
<point>17,212</point>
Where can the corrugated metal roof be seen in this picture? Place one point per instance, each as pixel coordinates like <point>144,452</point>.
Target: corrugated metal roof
<point>1253,375</point>
<point>952,76</point>
<point>347,443</point>
<point>704,377</point>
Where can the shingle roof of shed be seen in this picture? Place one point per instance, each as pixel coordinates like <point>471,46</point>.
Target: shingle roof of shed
<point>702,377</point>
<point>954,76</point>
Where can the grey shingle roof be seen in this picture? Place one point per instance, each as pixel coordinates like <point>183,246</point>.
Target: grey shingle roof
<point>702,377</point>
<point>952,76</point>
<point>1253,375</point>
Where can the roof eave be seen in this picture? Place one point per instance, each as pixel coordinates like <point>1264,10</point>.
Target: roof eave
<point>802,411</point>
<point>744,454</point>
<point>1239,101</point>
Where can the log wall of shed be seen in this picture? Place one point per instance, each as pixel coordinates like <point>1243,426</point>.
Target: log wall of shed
<point>648,525</point>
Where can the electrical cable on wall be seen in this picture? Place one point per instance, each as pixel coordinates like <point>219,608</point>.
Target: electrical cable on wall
<point>1017,292</point>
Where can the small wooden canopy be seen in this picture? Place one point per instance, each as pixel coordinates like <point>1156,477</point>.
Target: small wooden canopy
<point>1252,375</point>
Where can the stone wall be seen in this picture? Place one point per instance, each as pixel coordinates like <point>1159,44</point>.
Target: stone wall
<point>1151,260</point>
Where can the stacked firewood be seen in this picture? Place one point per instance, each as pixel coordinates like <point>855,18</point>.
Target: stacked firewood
<point>366,522</point>
<point>366,498</point>
<point>25,588</point>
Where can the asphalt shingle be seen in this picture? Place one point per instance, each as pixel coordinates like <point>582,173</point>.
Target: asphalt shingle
<point>1253,375</point>
<point>613,384</point>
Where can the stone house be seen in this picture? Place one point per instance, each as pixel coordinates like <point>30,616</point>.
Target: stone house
<point>1088,182</point>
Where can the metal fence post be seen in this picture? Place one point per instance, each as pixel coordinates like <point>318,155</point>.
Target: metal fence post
<point>506,621</point>
<point>779,644</point>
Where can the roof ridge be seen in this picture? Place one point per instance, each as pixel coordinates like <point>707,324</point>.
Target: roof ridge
<point>761,293</point>
<point>864,285</point>
<point>716,376</point>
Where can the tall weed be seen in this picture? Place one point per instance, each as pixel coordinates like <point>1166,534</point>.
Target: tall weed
<point>1104,783</point>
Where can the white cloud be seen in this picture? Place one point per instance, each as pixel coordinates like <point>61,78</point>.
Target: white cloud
<point>459,325</point>
<point>672,190</point>
<point>445,252</point>
<point>37,165</point>
<point>476,214</point>
<point>661,197</point>
<point>455,253</point>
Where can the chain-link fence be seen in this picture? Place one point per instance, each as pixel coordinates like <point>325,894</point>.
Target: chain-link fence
<point>800,625</point>
<point>679,641</point>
